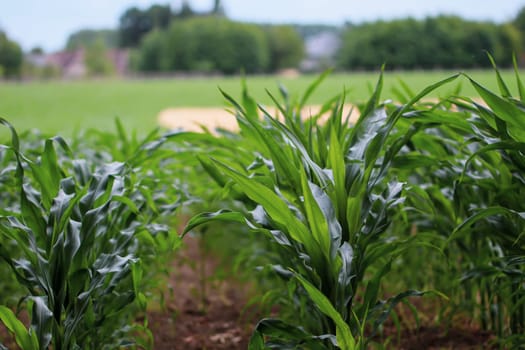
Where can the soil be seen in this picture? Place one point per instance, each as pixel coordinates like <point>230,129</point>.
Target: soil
<point>222,323</point>
<point>217,319</point>
<point>191,319</point>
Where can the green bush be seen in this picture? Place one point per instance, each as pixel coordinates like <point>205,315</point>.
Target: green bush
<point>205,43</point>
<point>97,61</point>
<point>10,57</point>
<point>439,42</point>
<point>148,58</point>
<point>286,47</point>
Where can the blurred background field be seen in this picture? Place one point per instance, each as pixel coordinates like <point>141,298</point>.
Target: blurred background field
<point>134,59</point>
<point>65,107</point>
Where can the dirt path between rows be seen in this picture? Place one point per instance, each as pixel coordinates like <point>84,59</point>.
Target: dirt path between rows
<point>192,320</point>
<point>221,322</point>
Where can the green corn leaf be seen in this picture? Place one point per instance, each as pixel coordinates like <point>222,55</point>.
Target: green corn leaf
<point>282,109</point>
<point>249,104</point>
<point>299,144</point>
<point>372,289</point>
<point>212,171</point>
<point>60,211</point>
<point>345,277</point>
<point>32,213</point>
<point>336,162</point>
<point>464,227</point>
<point>354,217</point>
<point>521,88</point>
<point>122,135</point>
<point>232,101</point>
<point>204,218</point>
<point>504,90</point>
<point>71,242</point>
<point>406,88</point>
<point>22,336</point>
<point>48,174</point>
<point>447,118</point>
<point>373,102</point>
<point>345,339</point>
<point>311,88</point>
<point>284,92</point>
<point>127,202</point>
<point>389,305</point>
<point>500,146</point>
<point>280,153</point>
<point>503,109</point>
<point>273,204</point>
<point>137,273</point>
<point>327,209</point>
<point>285,336</point>
<point>427,90</point>
<point>41,321</point>
<point>364,132</point>
<point>15,143</point>
<point>316,219</point>
<point>278,210</point>
<point>414,161</point>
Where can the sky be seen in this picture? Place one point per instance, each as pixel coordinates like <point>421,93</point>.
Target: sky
<point>48,23</point>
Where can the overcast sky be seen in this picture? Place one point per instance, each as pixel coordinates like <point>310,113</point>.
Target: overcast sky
<point>47,23</point>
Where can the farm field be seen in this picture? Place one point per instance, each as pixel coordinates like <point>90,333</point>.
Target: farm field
<point>64,107</point>
<point>403,229</point>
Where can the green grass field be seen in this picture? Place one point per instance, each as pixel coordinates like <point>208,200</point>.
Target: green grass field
<point>63,107</point>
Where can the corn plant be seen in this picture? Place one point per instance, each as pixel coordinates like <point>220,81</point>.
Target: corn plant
<point>322,196</point>
<point>467,163</point>
<point>496,215</point>
<point>79,231</point>
<point>157,174</point>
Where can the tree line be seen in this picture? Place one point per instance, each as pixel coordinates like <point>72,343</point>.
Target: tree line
<point>213,44</point>
<point>185,40</point>
<point>162,39</point>
<point>438,42</point>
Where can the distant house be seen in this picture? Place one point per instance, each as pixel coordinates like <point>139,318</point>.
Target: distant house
<point>71,64</point>
<point>320,50</point>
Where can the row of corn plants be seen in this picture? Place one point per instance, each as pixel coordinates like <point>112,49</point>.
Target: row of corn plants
<point>78,225</point>
<point>349,209</point>
<point>342,221</point>
<point>321,194</point>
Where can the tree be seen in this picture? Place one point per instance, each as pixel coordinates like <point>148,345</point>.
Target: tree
<point>438,42</point>
<point>510,43</point>
<point>160,16</point>
<point>185,11</point>
<point>519,24</point>
<point>11,57</point>
<point>218,10</point>
<point>148,58</point>
<point>519,20</point>
<point>37,50</point>
<point>87,37</point>
<point>135,23</point>
<point>96,60</point>
<point>286,47</point>
<point>205,44</point>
